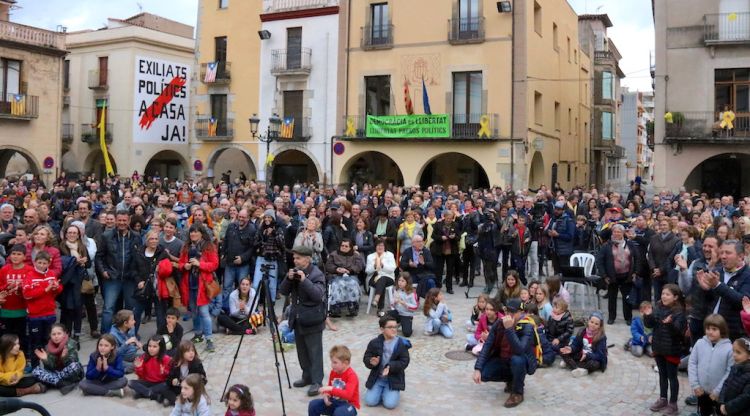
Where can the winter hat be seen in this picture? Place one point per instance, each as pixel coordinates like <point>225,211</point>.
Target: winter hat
<point>598,315</point>
<point>270,213</point>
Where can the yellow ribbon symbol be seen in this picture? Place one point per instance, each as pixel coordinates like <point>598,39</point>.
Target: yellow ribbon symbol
<point>350,130</point>
<point>269,159</point>
<point>732,17</point>
<point>727,120</point>
<point>484,123</point>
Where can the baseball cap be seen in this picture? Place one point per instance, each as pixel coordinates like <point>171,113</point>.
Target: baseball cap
<point>559,205</point>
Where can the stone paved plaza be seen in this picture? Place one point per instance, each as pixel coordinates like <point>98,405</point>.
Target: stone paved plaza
<point>436,385</point>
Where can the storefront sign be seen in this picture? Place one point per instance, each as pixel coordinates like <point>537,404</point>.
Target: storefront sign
<point>409,126</point>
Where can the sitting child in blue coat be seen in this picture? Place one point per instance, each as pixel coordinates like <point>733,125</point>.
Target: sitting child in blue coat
<point>588,350</point>
<point>641,336</point>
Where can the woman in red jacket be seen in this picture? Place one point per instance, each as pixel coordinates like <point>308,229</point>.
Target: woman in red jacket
<point>198,261</point>
<point>42,239</point>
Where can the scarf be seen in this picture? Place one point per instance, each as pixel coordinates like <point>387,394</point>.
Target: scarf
<point>429,223</point>
<point>556,316</point>
<point>381,228</point>
<point>591,334</point>
<point>60,350</point>
<point>410,228</point>
<point>73,247</point>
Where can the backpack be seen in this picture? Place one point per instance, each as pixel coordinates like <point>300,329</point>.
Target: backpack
<point>537,341</point>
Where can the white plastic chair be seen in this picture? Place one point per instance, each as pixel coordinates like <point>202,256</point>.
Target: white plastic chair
<point>584,260</point>
<point>388,297</point>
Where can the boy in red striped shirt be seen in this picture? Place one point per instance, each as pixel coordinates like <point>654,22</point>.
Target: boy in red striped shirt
<point>341,395</point>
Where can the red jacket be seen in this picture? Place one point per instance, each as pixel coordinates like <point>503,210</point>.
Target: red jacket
<point>209,262</point>
<point>745,322</point>
<point>163,271</point>
<point>349,386</point>
<point>55,263</point>
<point>39,302</point>
<point>153,370</point>
<point>13,277</point>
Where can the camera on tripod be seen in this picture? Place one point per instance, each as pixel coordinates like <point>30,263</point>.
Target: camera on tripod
<point>265,268</point>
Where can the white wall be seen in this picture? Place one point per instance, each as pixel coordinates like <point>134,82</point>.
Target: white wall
<point>320,34</point>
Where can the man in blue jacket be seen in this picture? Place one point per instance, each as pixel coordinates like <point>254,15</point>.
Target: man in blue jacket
<point>561,230</point>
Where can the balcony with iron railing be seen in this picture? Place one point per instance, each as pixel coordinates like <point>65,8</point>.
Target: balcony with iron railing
<point>30,35</point>
<point>19,107</point>
<point>67,133</point>
<point>90,133</point>
<point>98,80</point>
<point>291,61</point>
<point>222,74</point>
<point>377,37</point>
<point>726,28</point>
<point>464,127</point>
<point>277,6</point>
<point>704,127</point>
<point>604,57</point>
<point>466,30</point>
<point>218,131</point>
<point>302,131</point>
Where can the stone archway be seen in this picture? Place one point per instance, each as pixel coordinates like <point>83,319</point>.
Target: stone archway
<point>723,174</point>
<point>294,166</point>
<point>536,173</point>
<point>455,169</point>
<point>371,167</point>
<point>94,163</point>
<point>16,161</point>
<point>232,158</point>
<point>168,164</point>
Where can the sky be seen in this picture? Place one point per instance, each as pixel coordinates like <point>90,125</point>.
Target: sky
<point>632,30</point>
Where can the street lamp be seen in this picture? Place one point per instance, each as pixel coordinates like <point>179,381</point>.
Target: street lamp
<point>272,133</point>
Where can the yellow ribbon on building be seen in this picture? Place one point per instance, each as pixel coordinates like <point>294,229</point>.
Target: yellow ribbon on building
<point>727,120</point>
<point>269,159</point>
<point>103,141</point>
<point>732,17</point>
<point>668,118</point>
<point>350,130</point>
<point>484,124</point>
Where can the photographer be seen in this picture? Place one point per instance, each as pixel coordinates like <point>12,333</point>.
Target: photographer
<point>489,241</point>
<point>306,285</point>
<point>269,242</point>
<point>561,230</point>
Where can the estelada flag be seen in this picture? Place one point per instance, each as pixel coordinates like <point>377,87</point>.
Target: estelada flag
<point>407,98</point>
<point>287,128</point>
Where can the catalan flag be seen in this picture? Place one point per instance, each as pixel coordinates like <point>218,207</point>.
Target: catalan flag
<point>211,69</point>
<point>18,105</point>
<point>287,128</point>
<point>212,124</point>
<point>407,98</point>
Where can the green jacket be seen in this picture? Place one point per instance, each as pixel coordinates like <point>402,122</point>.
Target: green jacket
<point>51,362</point>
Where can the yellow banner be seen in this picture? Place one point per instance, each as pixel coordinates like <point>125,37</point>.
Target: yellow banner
<point>103,141</point>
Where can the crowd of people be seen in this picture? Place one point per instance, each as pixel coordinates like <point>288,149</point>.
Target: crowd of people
<point>119,252</point>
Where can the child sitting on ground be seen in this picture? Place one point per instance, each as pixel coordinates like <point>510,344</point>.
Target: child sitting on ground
<point>105,373</point>
<point>542,302</point>
<point>438,315</point>
<point>405,303</point>
<point>341,395</point>
<point>58,361</point>
<point>13,383</point>
<point>128,346</point>
<point>171,331</point>
<point>641,335</point>
<point>548,354</point>
<point>559,326</point>
<point>710,362</point>
<point>239,401</point>
<point>588,351</point>
<point>492,312</point>
<point>477,311</point>
<point>187,362</point>
<point>193,400</point>
<point>525,296</point>
<point>152,369</point>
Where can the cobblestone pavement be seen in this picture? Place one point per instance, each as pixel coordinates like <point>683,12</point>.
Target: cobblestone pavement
<point>435,384</point>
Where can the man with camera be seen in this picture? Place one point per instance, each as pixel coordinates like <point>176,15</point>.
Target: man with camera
<point>306,285</point>
<point>561,230</point>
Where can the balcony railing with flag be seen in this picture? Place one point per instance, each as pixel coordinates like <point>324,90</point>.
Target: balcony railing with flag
<point>90,133</point>
<point>19,106</point>
<point>706,127</point>
<point>466,30</point>
<point>67,133</point>
<point>464,127</point>
<point>295,129</point>
<point>217,72</point>
<point>726,28</point>
<point>295,61</point>
<point>377,36</point>
<point>211,129</point>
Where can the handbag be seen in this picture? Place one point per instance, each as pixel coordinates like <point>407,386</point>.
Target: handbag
<point>87,287</point>
<point>146,293</point>
<point>212,288</point>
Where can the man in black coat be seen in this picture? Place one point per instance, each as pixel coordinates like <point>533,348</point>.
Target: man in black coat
<point>729,285</point>
<point>306,285</point>
<point>618,262</point>
<point>238,251</point>
<point>418,262</point>
<point>641,235</point>
<point>659,249</point>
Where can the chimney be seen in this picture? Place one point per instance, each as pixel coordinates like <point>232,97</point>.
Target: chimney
<point>5,9</point>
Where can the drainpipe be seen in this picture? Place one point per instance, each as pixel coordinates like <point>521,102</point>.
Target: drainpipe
<point>512,91</point>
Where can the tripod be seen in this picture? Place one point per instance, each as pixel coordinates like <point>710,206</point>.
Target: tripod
<point>269,319</point>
